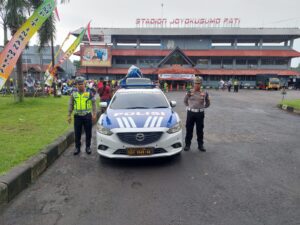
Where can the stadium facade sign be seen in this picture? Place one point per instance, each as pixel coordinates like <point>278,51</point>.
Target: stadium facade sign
<point>188,22</point>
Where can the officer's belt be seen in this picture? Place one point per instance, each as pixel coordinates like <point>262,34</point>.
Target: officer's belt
<point>82,113</point>
<point>195,110</point>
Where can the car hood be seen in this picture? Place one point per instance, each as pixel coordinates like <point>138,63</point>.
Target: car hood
<point>139,118</point>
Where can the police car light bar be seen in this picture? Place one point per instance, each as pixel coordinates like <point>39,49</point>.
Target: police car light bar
<point>138,86</point>
<point>138,83</point>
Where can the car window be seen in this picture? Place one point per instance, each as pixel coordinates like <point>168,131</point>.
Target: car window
<point>139,100</point>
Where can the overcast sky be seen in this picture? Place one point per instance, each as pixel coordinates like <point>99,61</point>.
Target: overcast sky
<point>116,13</point>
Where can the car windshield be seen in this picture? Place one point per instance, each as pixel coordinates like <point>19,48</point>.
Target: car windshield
<point>139,100</point>
<point>274,81</point>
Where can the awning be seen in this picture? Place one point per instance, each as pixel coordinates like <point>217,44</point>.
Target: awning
<point>183,77</point>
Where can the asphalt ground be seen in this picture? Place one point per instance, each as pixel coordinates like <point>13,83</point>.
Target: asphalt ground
<point>249,175</point>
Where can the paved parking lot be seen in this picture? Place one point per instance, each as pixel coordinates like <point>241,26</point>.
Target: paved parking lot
<point>249,175</point>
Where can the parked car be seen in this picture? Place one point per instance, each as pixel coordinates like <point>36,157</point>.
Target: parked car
<point>139,122</point>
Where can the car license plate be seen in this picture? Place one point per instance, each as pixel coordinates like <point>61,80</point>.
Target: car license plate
<point>139,151</point>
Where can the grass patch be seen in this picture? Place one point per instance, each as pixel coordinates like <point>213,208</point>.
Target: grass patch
<point>29,126</point>
<point>293,103</point>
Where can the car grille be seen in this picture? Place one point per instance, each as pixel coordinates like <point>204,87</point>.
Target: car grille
<point>148,137</point>
<point>124,151</point>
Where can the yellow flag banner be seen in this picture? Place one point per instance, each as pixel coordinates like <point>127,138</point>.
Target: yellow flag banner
<point>14,48</point>
<point>49,74</point>
<point>71,49</point>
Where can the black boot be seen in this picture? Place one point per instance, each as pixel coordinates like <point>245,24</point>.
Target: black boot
<point>201,148</point>
<point>88,150</point>
<point>77,151</point>
<point>187,148</point>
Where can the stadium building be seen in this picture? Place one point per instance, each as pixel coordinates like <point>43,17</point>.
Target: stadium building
<point>175,55</point>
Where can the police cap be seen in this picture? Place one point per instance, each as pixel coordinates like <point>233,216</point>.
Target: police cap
<point>198,80</point>
<point>79,80</point>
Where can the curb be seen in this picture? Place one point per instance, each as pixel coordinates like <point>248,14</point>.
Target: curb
<point>288,108</point>
<point>20,177</point>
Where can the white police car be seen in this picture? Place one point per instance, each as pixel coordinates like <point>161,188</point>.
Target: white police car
<point>139,123</point>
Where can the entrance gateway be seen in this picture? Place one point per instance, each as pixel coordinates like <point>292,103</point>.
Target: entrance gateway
<point>177,70</point>
<point>177,81</point>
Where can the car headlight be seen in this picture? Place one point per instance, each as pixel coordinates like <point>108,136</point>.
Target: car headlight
<point>175,128</point>
<point>103,130</point>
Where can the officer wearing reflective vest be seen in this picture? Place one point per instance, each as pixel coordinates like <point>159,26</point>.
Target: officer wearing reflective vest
<point>84,106</point>
<point>196,101</point>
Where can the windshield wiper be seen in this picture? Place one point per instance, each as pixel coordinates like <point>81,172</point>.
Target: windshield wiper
<point>138,107</point>
<point>161,107</point>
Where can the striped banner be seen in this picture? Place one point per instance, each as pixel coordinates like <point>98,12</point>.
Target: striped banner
<point>14,48</point>
<point>50,74</point>
<point>70,50</point>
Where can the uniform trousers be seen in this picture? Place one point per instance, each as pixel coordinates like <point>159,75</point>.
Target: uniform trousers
<point>191,119</point>
<point>86,122</point>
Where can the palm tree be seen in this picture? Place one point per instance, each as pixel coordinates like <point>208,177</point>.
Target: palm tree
<point>15,16</point>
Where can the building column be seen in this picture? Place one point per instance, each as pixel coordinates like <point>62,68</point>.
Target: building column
<point>291,43</point>
<point>259,63</point>
<point>261,43</point>
<point>138,42</point>
<point>114,43</point>
<point>235,43</point>
<point>234,63</point>
<point>289,63</point>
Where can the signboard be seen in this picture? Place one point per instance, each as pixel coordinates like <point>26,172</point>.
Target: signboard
<point>176,76</point>
<point>94,38</point>
<point>99,56</point>
<point>188,22</point>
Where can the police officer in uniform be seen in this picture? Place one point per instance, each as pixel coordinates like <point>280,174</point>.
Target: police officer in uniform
<point>196,101</point>
<point>84,106</point>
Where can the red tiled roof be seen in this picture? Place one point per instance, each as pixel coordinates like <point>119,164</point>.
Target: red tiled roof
<point>208,53</point>
<point>250,72</point>
<point>253,72</point>
<point>36,67</point>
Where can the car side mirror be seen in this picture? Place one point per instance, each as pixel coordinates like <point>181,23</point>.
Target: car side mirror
<point>103,104</point>
<point>173,104</point>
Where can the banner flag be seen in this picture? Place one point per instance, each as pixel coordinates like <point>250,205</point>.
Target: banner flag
<point>14,48</point>
<point>57,15</point>
<point>89,32</point>
<point>69,52</point>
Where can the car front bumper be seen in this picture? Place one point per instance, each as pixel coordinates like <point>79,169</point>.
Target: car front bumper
<point>165,143</point>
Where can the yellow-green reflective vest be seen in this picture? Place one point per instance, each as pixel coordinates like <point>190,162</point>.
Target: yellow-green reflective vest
<point>82,103</point>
